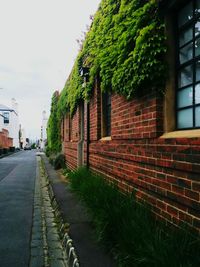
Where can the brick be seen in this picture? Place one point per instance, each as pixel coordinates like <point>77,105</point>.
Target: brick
<point>196,168</point>
<point>161,204</point>
<point>164,171</point>
<point>191,194</point>
<point>177,189</point>
<point>172,210</point>
<point>196,186</point>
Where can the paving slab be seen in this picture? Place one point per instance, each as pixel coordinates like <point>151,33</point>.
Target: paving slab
<point>90,253</point>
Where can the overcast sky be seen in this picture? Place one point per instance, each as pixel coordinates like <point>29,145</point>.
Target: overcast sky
<point>37,50</point>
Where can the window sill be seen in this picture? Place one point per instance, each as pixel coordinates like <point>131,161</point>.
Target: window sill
<point>182,134</point>
<point>107,138</point>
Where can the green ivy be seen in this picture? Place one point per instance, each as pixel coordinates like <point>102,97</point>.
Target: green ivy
<point>53,129</point>
<point>125,47</point>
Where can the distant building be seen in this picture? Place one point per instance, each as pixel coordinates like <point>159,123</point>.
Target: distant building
<point>43,138</point>
<point>1,122</point>
<point>5,140</point>
<point>22,136</point>
<point>11,121</point>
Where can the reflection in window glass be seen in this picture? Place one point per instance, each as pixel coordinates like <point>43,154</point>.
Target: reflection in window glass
<point>185,36</point>
<point>185,76</point>
<point>197,94</point>
<point>185,118</point>
<point>185,97</point>
<point>197,47</point>
<point>197,117</point>
<point>185,14</point>
<point>186,53</point>
<point>198,71</point>
<point>197,7</point>
<point>197,28</point>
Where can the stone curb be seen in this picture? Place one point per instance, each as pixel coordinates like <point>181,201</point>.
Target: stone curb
<point>63,228</point>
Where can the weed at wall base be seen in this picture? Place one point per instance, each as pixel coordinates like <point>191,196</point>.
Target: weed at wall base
<point>128,229</point>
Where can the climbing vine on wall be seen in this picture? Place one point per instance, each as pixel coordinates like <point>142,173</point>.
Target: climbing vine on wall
<point>53,129</point>
<point>125,47</point>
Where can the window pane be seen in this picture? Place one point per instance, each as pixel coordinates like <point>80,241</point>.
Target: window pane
<point>197,28</point>
<point>185,97</point>
<point>197,9</point>
<point>197,47</point>
<point>185,36</point>
<point>185,14</point>
<point>197,117</point>
<point>198,71</point>
<point>197,94</point>
<point>185,76</point>
<point>6,117</point>
<point>185,118</point>
<point>186,53</point>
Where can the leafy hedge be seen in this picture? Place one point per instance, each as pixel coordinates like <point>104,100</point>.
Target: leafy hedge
<point>125,47</point>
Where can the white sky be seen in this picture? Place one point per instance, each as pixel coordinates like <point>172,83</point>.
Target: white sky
<point>37,50</point>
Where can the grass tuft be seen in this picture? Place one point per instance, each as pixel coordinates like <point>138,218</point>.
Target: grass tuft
<point>128,229</point>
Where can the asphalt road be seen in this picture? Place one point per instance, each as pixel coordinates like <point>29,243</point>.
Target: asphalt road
<point>17,181</point>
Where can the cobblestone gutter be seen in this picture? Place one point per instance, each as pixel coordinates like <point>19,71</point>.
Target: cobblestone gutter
<point>51,245</point>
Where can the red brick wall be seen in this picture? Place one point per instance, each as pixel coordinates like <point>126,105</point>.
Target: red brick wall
<point>136,119</point>
<point>165,172</point>
<point>5,140</point>
<point>71,137</point>
<point>95,114</point>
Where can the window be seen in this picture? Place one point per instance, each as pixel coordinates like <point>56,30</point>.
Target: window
<point>6,117</point>
<point>188,75</point>
<point>106,114</point>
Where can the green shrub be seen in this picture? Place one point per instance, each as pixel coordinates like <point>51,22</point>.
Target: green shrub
<point>33,146</point>
<point>12,149</point>
<point>5,150</point>
<point>59,162</point>
<point>48,151</point>
<point>51,160</point>
<point>129,230</point>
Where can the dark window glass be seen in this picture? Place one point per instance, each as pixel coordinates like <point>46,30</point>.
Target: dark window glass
<point>197,115</point>
<point>6,117</point>
<point>185,14</point>
<point>185,118</point>
<point>188,87</point>
<point>185,76</point>
<point>186,53</point>
<point>186,36</point>
<point>197,94</point>
<point>197,28</point>
<point>185,97</point>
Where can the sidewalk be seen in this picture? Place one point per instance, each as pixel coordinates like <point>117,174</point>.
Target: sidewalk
<point>46,246</point>
<point>81,231</point>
